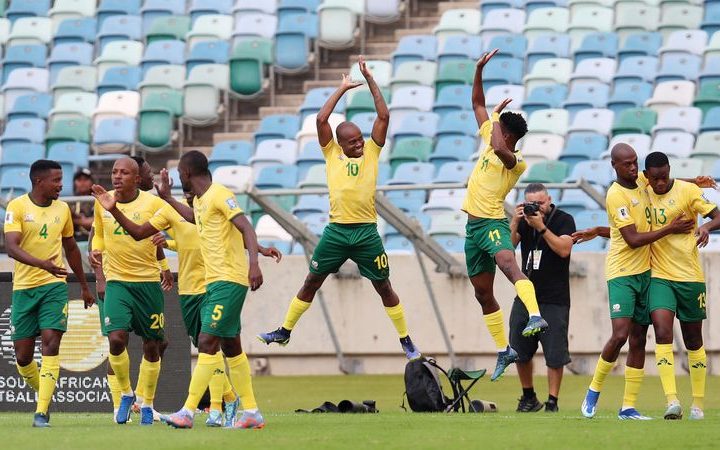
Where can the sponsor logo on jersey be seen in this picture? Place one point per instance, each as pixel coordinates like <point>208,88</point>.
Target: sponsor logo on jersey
<point>616,307</point>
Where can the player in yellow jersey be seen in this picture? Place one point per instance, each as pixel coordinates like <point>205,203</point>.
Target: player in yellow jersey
<point>38,227</point>
<point>677,286</point>
<point>488,242</point>
<point>225,234</point>
<point>627,271</point>
<point>133,295</point>
<point>352,168</point>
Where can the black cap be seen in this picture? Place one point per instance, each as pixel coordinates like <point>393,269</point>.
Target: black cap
<point>83,172</point>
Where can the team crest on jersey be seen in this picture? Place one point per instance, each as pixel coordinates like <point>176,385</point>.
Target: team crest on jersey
<point>232,204</point>
<point>107,215</point>
<point>672,202</point>
<point>635,202</point>
<point>9,217</point>
<point>623,212</point>
<point>56,219</point>
<point>29,218</point>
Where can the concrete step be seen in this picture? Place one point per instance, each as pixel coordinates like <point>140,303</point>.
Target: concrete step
<point>288,100</point>
<point>444,6</point>
<point>232,136</point>
<point>265,111</point>
<point>399,34</point>
<point>244,125</point>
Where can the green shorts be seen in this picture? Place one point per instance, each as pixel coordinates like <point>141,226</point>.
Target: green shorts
<point>220,314</point>
<point>685,298</point>
<point>191,308</point>
<point>40,308</point>
<point>359,242</point>
<point>629,297</point>
<point>135,306</point>
<point>484,238</point>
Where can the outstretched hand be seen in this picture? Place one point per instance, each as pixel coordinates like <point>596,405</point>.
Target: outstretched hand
<point>584,235</point>
<point>347,83</point>
<point>164,188</point>
<point>486,57</point>
<point>363,67</point>
<point>106,199</point>
<point>500,106</point>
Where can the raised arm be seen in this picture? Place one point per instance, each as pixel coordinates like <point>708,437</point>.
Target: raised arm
<point>324,130</point>
<point>107,201</point>
<point>164,190</point>
<point>72,253</point>
<point>478,94</point>
<point>382,121</point>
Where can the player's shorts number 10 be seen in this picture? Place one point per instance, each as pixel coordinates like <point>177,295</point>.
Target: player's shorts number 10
<point>381,261</point>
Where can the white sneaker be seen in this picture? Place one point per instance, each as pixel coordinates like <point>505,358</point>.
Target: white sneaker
<point>696,413</point>
<point>674,411</point>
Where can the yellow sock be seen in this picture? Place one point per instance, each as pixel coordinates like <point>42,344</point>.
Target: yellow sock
<point>207,365</point>
<point>31,374</point>
<point>149,373</point>
<point>228,392</point>
<point>295,310</point>
<point>140,385</point>
<point>114,390</point>
<point>242,381</point>
<point>49,373</point>
<point>665,361</point>
<point>121,366</point>
<point>397,315</point>
<point>602,370</point>
<point>496,325</point>
<point>698,371</point>
<point>217,384</point>
<point>526,292</point>
<point>633,381</point>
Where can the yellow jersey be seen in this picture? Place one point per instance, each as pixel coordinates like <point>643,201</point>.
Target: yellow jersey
<point>490,180</point>
<point>124,258</point>
<point>676,257</point>
<point>352,183</point>
<point>222,245</point>
<point>186,242</point>
<point>42,229</point>
<point>627,207</point>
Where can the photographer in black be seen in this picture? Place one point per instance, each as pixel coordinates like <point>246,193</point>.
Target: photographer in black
<point>543,232</point>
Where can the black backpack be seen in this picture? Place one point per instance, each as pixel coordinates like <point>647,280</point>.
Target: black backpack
<point>422,386</point>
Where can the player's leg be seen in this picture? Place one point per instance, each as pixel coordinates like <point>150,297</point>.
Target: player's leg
<point>118,310</point>
<point>330,253</point>
<point>115,392</point>
<point>692,312</point>
<point>555,349</point>
<point>141,382</point>
<point>505,260</point>
<point>25,327</point>
<point>241,378</point>
<point>525,348</point>
<point>663,305</point>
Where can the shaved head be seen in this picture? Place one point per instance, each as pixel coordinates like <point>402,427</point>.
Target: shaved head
<point>621,151</point>
<point>347,129</point>
<point>128,164</point>
<point>625,163</point>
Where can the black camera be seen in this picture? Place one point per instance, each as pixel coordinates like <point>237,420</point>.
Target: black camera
<point>531,208</point>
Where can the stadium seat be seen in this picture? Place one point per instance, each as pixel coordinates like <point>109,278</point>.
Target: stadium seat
<point>635,18</point>
<point>679,119</point>
<point>640,142</point>
<point>382,72</point>
<point>707,149</point>
<point>542,146</point>
<point>412,73</point>
<point>679,16</point>
<point>553,121</point>
<point>316,223</point>
<point>589,219</point>
<point>574,201</point>
<point>629,94</point>
<point>586,95</point>
<point>684,42</point>
<point>31,106</point>
<point>314,177</point>
<point>502,71</point>
<point>592,120</point>
<point>308,130</point>
<point>230,153</point>
<point>240,178</point>
<point>460,46</point>
<point>161,53</point>
<point>273,151</point>
<point>117,104</point>
<point>416,149</point>
<point>411,98</point>
<point>444,226</point>
<point>502,22</point>
<point>409,201</point>
<point>458,21</point>
<point>442,201</point>
<point>30,31</point>
<point>544,97</point>
<point>676,144</point>
<point>310,155</point>
<point>268,230</point>
<point>202,94</point>
<point>68,130</point>
<point>637,68</point>
<point>640,44</point>
<point>587,19</point>
<point>162,78</point>
<point>596,172</point>
<point>311,204</point>
<point>678,66</point>
<point>594,69</point>
<point>109,8</point>
<point>548,71</point>
<point>711,120</point>
<point>119,53</point>
<point>415,124</point>
<point>156,122</point>
<point>546,46</point>
<point>416,47</point>
<point>71,155</point>
<point>384,11</point>
<point>452,149</point>
<point>509,46</point>
<point>248,62</point>
<point>597,45</point>
<point>119,28</point>
<point>23,56</point>
<point>120,78</point>
<point>583,146</point>
<point>457,124</point>
<point>708,96</point>
<point>685,167</point>
<point>547,172</point>
<point>455,72</point>
<point>498,93</point>
<point>413,173</point>
<point>170,27</point>
<point>293,43</point>
<point>671,93</point>
<point>74,105</point>
<point>18,156</point>
<point>456,98</point>
<point>75,31</point>
<point>635,120</point>
<point>360,100</point>
<point>276,176</point>
<point>208,52</point>
<point>338,24</point>
<point>546,20</point>
<point>210,27</point>
<point>114,135</point>
<point>24,81</point>
<point>23,130</point>
<point>453,172</point>
<point>15,182</point>
<point>19,9</point>
<point>277,126</point>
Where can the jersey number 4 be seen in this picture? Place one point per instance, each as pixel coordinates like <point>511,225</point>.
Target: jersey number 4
<point>43,232</point>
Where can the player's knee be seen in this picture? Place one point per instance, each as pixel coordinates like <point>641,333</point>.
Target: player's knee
<point>23,359</point>
<point>619,338</point>
<point>663,335</point>
<point>693,342</point>
<point>483,296</point>
<point>207,344</point>
<point>312,283</point>
<point>117,344</point>
<point>637,340</point>
<point>384,288</point>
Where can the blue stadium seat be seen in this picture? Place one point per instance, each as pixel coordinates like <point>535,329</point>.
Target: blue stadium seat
<point>163,52</point>
<point>678,66</point>
<point>573,201</point>
<point>23,56</point>
<point>413,173</point>
<point>119,28</point>
<point>545,97</point>
<point>76,30</point>
<point>116,133</point>
<point>416,124</point>
<point>277,126</point>
<point>548,46</point>
<point>199,8</point>
<point>65,55</point>
<point>316,222</point>
<point>450,149</point>
<point>451,244</point>
<point>583,146</point>
<point>153,9</point>
<point>27,8</point>
<point>311,204</point>
<point>408,201</point>
<point>20,156</point>
<point>70,155</point>
<point>502,71</point>
<point>277,176</point>
<point>640,44</point>
<point>23,130</point>
<point>123,78</point>
<point>454,172</point>
<point>110,8</point>
<point>305,23</point>
<point>637,68</point>
<point>457,123</point>
<point>365,122</point>
<point>398,244</point>
<point>309,156</point>
<point>384,172</point>
<point>208,52</point>
<point>31,106</point>
<point>460,47</point>
<point>453,98</point>
<point>510,46</point>
<point>293,42</point>
<point>290,7</point>
<point>711,20</point>
<point>588,219</point>
<point>230,153</point>
<point>416,47</point>
<point>596,172</point>
<point>316,98</point>
<point>629,94</point>
<point>591,94</point>
<point>15,182</point>
<point>711,70</point>
<point>711,120</point>
<point>488,5</point>
<point>597,45</point>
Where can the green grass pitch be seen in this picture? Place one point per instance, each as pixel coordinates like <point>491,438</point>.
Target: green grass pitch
<point>392,428</point>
